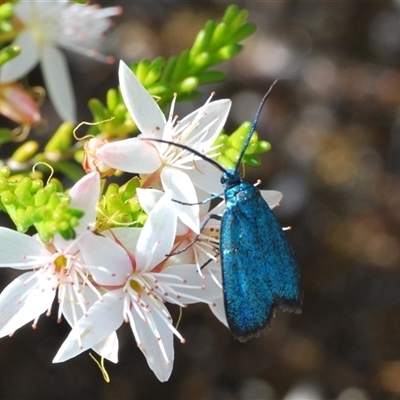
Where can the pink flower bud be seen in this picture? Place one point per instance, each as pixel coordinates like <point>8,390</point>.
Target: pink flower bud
<point>17,105</point>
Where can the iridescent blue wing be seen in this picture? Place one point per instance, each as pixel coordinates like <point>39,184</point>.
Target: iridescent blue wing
<point>259,270</point>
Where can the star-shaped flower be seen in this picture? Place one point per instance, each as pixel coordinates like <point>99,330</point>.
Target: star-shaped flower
<point>54,266</point>
<point>132,264</point>
<point>160,164</point>
<point>46,26</point>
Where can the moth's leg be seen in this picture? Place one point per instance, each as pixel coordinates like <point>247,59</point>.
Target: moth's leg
<point>208,262</point>
<point>203,224</point>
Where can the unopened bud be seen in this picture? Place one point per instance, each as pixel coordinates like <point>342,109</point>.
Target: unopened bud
<point>17,105</point>
<point>90,161</point>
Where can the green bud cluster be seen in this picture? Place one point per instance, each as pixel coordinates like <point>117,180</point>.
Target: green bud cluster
<point>120,206</point>
<point>29,203</point>
<point>230,147</point>
<point>182,74</point>
<point>215,43</point>
<point>58,152</point>
<point>9,52</point>
<point>61,141</point>
<point>114,120</point>
<point>7,33</point>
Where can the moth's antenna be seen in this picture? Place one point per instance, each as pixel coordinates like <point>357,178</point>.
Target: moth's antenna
<point>254,124</point>
<point>197,153</point>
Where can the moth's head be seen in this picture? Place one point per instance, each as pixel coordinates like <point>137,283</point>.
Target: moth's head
<point>230,178</point>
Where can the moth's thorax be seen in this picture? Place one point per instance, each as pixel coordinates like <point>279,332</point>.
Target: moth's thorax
<point>241,194</point>
<point>230,178</point>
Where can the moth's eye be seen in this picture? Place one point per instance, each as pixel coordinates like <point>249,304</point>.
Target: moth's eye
<point>223,179</point>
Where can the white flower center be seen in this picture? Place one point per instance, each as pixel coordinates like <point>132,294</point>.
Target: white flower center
<point>42,32</point>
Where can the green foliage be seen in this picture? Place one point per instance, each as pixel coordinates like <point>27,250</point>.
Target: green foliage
<point>29,202</point>
<point>25,152</point>
<point>230,147</point>
<point>6,135</point>
<point>120,206</point>
<point>6,10</point>
<point>58,153</point>
<point>215,43</point>
<point>7,32</point>
<point>182,74</point>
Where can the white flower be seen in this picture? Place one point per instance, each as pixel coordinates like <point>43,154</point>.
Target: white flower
<point>165,165</point>
<point>46,26</point>
<point>54,266</point>
<point>137,257</point>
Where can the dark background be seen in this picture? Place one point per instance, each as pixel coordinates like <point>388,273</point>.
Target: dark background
<point>334,124</point>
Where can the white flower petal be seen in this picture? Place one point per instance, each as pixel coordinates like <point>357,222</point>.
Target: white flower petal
<point>209,121</point>
<point>24,11</point>
<point>206,177</point>
<point>218,309</point>
<point>31,9</point>
<point>201,196</point>
<point>148,198</point>
<point>106,260</point>
<point>142,107</point>
<point>150,345</point>
<point>84,196</point>
<point>108,348</point>
<point>158,235</point>
<point>130,155</point>
<point>182,189</point>
<point>24,299</point>
<point>15,248</point>
<point>206,290</point>
<point>103,318</point>
<point>272,197</point>
<point>127,237</point>
<point>58,82</point>
<point>181,228</point>
<point>19,66</point>
<point>71,309</point>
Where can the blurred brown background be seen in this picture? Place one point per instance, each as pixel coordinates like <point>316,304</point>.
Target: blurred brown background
<point>334,124</point>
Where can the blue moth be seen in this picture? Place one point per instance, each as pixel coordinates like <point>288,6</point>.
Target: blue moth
<point>259,269</point>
